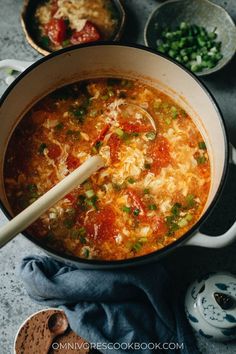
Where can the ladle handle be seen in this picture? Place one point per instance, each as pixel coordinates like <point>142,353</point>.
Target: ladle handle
<point>41,205</point>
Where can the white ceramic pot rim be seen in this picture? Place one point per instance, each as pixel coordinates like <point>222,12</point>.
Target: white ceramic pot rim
<point>198,239</point>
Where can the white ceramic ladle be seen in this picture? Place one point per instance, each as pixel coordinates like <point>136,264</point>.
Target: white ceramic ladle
<point>46,201</point>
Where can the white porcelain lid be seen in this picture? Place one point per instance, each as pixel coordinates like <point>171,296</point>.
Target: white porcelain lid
<point>217,303</point>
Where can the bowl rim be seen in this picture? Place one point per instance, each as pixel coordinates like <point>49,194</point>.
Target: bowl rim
<point>163,251</point>
<point>33,43</point>
<point>166,3</point>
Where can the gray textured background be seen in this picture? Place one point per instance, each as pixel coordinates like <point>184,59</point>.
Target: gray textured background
<point>186,263</point>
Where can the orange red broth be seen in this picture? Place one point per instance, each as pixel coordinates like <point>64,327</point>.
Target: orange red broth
<point>152,191</point>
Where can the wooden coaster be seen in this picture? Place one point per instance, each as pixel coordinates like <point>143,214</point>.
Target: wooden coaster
<point>34,333</point>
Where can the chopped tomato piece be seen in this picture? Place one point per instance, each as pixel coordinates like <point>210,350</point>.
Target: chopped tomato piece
<point>89,33</point>
<point>160,152</point>
<point>114,143</point>
<point>102,134</point>
<point>56,30</point>
<point>137,127</point>
<point>70,197</point>
<point>72,162</point>
<point>159,226</point>
<point>54,151</point>
<point>101,224</point>
<point>136,201</point>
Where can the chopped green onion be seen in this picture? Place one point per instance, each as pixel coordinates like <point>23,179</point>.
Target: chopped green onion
<point>45,41</point>
<point>120,132</point>
<point>188,44</point>
<point>92,201</point>
<point>126,209</point>
<point>182,222</point>
<point>201,160</point>
<point>126,83</point>
<point>151,135</point>
<point>79,112</point>
<point>137,246</point>
<point>66,43</point>
<point>110,93</point>
<point>212,35</point>
<point>202,145</point>
<point>131,180</point>
<point>188,217</point>
<point>146,191</point>
<point>10,71</point>
<point>69,223</point>
<point>70,132</point>
<point>41,148</point>
<point>190,201</point>
<point>175,210</point>
<point>168,121</point>
<point>152,207</point>
<point>97,146</point>
<point>79,233</point>
<point>86,252</point>
<point>82,240</point>
<point>90,193</point>
<point>172,225</point>
<point>32,188</point>
<point>174,112</point>
<point>59,126</point>
<point>81,202</point>
<point>183,26</point>
<point>195,68</point>
<point>133,134</point>
<point>136,212</point>
<point>147,166</point>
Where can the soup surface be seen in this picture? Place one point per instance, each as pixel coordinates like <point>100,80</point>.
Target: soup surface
<point>61,23</point>
<point>152,190</point>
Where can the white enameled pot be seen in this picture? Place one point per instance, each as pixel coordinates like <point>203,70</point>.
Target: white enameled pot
<point>134,62</point>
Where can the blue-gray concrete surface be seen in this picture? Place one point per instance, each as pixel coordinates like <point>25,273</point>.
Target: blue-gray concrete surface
<point>186,263</point>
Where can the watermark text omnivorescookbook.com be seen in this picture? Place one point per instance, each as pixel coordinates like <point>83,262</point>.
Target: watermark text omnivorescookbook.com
<point>118,346</point>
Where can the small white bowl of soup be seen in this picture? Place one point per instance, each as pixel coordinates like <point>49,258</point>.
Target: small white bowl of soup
<point>157,188</point>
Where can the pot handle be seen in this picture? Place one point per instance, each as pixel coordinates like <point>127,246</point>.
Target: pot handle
<point>18,65</point>
<point>202,240</point>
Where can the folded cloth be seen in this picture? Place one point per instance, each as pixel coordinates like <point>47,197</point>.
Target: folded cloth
<point>136,309</point>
